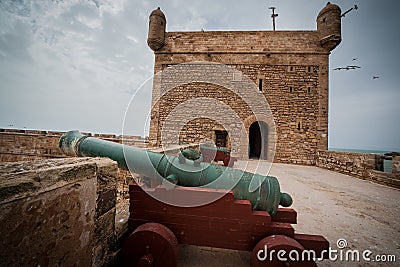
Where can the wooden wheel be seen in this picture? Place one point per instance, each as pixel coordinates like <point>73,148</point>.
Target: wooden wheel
<point>151,244</point>
<point>266,252</point>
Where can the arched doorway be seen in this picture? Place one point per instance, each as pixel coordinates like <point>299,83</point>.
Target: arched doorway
<point>258,140</point>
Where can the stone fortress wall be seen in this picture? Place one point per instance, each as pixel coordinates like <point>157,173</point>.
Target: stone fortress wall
<point>27,145</point>
<point>360,165</point>
<point>21,144</point>
<point>289,69</point>
<point>37,181</point>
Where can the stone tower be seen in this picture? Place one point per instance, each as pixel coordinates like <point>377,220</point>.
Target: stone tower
<point>290,69</point>
<point>157,25</point>
<point>329,26</point>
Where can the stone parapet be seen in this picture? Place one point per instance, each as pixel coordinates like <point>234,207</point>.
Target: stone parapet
<point>58,212</point>
<point>22,145</point>
<point>360,165</point>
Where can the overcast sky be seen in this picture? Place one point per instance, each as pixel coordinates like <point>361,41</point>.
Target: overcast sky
<point>75,64</point>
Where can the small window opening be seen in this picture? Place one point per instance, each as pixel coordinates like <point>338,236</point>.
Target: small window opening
<point>299,126</point>
<point>162,23</point>
<point>221,138</point>
<point>260,84</point>
<point>291,89</point>
<point>309,90</point>
<point>291,68</point>
<point>309,69</point>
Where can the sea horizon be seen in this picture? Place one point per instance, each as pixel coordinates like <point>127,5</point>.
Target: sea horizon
<point>357,150</point>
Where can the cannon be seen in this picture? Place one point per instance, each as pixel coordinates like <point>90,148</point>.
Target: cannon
<point>179,171</point>
<point>217,154</point>
<point>238,219</point>
<point>191,154</point>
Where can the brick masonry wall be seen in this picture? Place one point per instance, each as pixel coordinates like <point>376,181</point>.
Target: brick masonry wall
<point>28,145</point>
<point>355,164</point>
<point>57,212</point>
<point>21,145</point>
<point>283,59</point>
<point>18,145</point>
<point>290,107</point>
<point>389,179</point>
<point>359,165</point>
<point>242,41</point>
<point>198,129</point>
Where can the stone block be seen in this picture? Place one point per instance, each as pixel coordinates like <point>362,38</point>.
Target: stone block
<point>47,213</point>
<point>104,238</point>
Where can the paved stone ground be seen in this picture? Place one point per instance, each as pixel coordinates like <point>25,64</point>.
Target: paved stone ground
<point>330,204</point>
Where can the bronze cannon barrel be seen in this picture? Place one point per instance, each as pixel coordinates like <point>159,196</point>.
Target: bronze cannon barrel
<point>181,171</point>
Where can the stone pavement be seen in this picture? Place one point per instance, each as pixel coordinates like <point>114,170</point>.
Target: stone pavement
<point>331,204</point>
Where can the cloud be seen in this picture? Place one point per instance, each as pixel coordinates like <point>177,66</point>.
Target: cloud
<point>58,61</point>
<point>15,39</point>
<point>75,64</point>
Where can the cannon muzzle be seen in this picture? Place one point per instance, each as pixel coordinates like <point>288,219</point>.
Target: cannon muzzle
<point>180,171</point>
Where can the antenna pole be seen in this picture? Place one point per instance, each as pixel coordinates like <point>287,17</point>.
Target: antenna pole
<point>273,16</point>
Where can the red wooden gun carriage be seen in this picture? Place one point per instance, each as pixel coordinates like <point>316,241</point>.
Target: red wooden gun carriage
<point>157,228</point>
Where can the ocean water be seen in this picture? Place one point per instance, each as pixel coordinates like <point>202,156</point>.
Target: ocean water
<point>387,164</point>
<point>361,150</point>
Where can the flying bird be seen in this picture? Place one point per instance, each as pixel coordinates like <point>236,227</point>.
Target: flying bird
<point>348,68</point>
<point>375,77</point>
<point>354,59</point>
<point>344,14</point>
<point>353,67</point>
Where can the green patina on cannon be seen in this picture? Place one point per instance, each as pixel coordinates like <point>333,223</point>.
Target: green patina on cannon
<point>191,153</point>
<point>180,171</point>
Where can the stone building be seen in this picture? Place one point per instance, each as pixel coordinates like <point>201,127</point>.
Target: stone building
<point>288,69</point>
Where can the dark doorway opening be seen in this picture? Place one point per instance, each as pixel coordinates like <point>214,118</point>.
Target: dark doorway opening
<point>221,138</point>
<point>258,140</point>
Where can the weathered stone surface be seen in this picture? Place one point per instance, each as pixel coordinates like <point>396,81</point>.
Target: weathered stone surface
<point>48,212</point>
<point>356,164</point>
<point>106,188</point>
<point>104,238</point>
<point>19,179</point>
<point>396,166</point>
<point>359,165</point>
<point>20,145</point>
<point>106,200</point>
<point>384,178</point>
